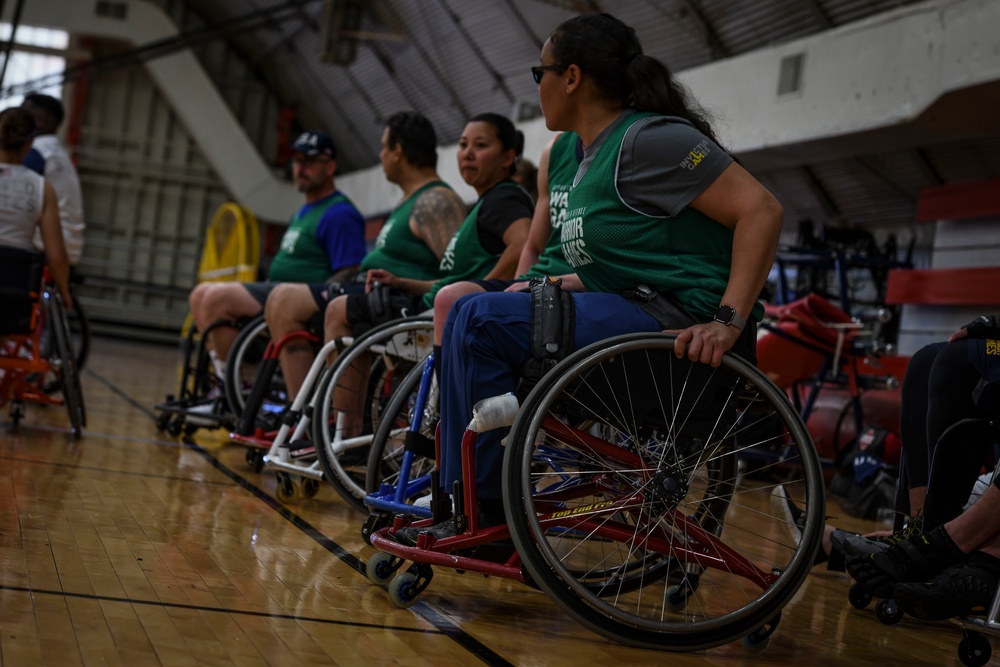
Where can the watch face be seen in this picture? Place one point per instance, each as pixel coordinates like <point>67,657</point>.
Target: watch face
<point>725,314</point>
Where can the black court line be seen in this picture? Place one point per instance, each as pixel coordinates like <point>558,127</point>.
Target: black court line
<point>93,434</point>
<point>118,392</point>
<point>219,610</point>
<point>443,624</point>
<point>110,470</point>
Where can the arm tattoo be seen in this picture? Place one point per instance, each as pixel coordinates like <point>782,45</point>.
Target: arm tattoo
<point>436,216</point>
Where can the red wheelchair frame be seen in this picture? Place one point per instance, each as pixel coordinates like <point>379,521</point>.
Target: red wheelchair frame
<point>661,493</point>
<point>23,362</point>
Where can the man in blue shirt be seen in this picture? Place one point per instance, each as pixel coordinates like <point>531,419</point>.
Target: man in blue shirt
<point>325,240</point>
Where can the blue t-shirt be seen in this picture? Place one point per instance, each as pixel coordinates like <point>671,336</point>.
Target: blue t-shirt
<point>341,231</point>
<point>34,161</point>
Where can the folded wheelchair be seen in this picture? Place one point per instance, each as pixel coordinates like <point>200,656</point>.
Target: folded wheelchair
<point>624,495</point>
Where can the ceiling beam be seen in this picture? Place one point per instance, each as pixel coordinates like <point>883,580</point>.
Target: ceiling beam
<point>826,202</point>
<point>386,62</point>
<point>927,166</point>
<point>474,47</point>
<point>525,25</point>
<point>386,11</point>
<point>712,39</point>
<point>821,16</point>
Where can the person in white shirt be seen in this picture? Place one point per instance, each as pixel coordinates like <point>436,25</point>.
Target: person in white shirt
<point>50,159</point>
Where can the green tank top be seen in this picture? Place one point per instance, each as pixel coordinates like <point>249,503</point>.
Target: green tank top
<point>562,170</point>
<point>301,258</point>
<point>614,247</point>
<point>397,248</point>
<point>465,258</point>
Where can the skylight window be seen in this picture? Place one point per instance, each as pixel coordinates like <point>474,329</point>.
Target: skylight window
<point>35,55</point>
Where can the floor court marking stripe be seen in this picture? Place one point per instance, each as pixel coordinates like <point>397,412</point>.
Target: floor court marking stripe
<point>220,610</point>
<point>112,470</point>
<point>440,621</point>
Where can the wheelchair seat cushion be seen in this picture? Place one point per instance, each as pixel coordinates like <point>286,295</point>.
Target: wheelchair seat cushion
<point>20,283</point>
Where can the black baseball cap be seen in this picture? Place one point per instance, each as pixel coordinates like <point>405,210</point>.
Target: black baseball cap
<point>315,143</point>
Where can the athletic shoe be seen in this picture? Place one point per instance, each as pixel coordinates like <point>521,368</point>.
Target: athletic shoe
<point>961,590</point>
<point>852,544</point>
<point>918,558</point>
<point>209,409</point>
<point>445,529</point>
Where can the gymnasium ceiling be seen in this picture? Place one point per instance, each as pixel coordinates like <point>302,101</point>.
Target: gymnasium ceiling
<point>452,58</point>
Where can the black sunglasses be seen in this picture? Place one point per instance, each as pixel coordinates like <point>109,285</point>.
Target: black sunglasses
<point>539,70</point>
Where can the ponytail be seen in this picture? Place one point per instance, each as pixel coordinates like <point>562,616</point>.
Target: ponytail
<point>609,53</point>
<point>655,89</point>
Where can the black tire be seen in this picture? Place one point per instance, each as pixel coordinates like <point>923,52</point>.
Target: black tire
<point>80,326</point>
<point>386,452</point>
<point>245,356</point>
<point>389,351</point>
<point>649,483</point>
<point>64,363</point>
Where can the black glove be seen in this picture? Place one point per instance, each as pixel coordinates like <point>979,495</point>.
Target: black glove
<point>984,326</point>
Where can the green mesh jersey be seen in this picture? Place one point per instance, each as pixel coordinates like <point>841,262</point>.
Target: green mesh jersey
<point>301,257</point>
<point>397,248</point>
<point>465,258</point>
<point>563,164</point>
<point>613,247</point>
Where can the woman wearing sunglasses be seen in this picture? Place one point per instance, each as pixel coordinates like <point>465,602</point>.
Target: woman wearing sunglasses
<point>656,202</point>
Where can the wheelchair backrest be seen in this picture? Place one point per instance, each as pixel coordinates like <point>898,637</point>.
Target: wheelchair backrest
<point>20,284</point>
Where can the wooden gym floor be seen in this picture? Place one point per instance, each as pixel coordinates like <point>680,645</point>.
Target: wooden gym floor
<point>130,548</point>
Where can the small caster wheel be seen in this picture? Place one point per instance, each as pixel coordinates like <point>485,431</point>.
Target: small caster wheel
<point>887,612</point>
<point>175,427</point>
<point>401,590</point>
<point>974,650</point>
<point>382,567</point>
<point>677,598</point>
<point>288,489</point>
<point>755,644</point>
<point>310,487</point>
<point>759,639</point>
<point>255,459</point>
<point>190,429</point>
<point>162,420</point>
<point>858,596</point>
<point>375,522</point>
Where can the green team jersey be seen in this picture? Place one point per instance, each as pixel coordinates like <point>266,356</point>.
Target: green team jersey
<point>301,257</point>
<point>613,247</point>
<point>563,164</point>
<point>465,258</point>
<point>397,248</point>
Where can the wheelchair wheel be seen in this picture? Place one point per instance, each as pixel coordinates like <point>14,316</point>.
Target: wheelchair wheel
<point>80,326</point>
<point>64,365</point>
<point>245,357</point>
<point>347,409</point>
<point>625,501</point>
<point>387,448</point>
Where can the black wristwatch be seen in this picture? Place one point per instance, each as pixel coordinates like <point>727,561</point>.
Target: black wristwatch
<point>727,315</point>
